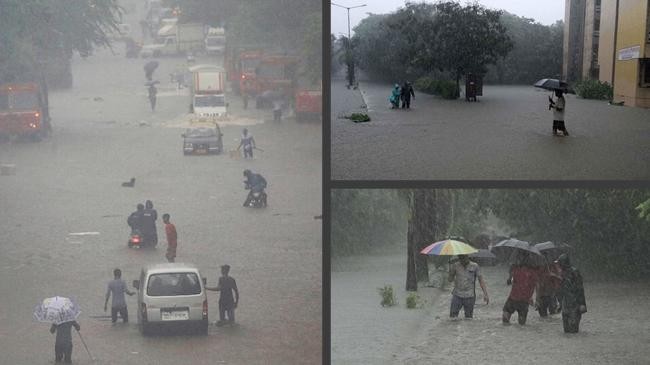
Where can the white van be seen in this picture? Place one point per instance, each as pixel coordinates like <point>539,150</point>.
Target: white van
<point>171,294</point>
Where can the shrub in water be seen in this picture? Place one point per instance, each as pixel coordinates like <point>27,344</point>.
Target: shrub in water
<point>448,89</point>
<point>358,117</point>
<point>594,89</point>
<point>412,301</point>
<point>387,297</point>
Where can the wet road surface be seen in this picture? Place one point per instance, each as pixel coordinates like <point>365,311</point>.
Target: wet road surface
<point>613,331</point>
<point>505,136</point>
<point>104,134</point>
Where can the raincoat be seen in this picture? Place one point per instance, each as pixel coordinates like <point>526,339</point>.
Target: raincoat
<point>395,96</point>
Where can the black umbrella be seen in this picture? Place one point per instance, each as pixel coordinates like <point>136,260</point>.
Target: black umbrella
<point>552,84</point>
<point>553,249</point>
<point>150,66</point>
<point>512,248</point>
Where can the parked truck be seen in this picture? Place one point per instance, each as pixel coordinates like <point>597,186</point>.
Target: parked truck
<point>176,39</point>
<point>215,41</point>
<point>207,98</point>
<point>24,110</point>
<point>309,105</point>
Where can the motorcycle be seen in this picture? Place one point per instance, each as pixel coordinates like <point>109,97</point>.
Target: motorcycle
<point>256,199</point>
<point>139,240</point>
<point>135,239</point>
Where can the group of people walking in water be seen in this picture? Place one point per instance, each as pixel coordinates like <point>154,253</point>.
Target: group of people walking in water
<point>558,287</point>
<point>402,94</point>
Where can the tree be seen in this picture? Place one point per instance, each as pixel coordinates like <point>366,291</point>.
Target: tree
<point>602,226</point>
<point>467,39</point>
<point>34,33</point>
<point>536,53</point>
<point>428,222</point>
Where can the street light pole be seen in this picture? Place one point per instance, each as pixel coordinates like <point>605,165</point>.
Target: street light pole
<point>349,45</point>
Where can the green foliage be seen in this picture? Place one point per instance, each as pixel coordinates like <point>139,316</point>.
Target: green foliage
<point>388,298</point>
<point>34,32</point>
<point>536,52</point>
<point>422,37</point>
<point>444,88</point>
<point>644,210</point>
<point>412,301</point>
<point>358,117</point>
<point>594,89</point>
<point>448,89</point>
<point>602,226</point>
<point>363,220</point>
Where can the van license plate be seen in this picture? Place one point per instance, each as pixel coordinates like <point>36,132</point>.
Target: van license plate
<point>175,315</point>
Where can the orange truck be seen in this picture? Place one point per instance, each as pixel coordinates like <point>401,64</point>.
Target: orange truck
<point>241,63</point>
<point>309,105</point>
<point>24,110</point>
<point>276,72</point>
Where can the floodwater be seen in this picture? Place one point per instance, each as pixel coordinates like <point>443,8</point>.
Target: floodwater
<point>616,329</point>
<point>506,135</point>
<point>104,134</point>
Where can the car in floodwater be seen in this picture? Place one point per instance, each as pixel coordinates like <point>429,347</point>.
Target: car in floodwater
<point>203,140</point>
<point>171,295</point>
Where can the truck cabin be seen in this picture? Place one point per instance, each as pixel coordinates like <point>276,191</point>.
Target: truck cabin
<point>21,98</point>
<point>209,101</point>
<point>215,40</point>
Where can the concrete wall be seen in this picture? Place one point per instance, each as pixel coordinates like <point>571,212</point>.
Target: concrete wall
<point>606,41</point>
<point>573,39</point>
<point>588,39</point>
<point>632,31</point>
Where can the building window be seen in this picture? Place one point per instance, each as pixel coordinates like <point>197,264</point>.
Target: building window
<point>644,72</point>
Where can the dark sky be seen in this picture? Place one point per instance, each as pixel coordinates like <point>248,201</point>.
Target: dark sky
<point>546,12</point>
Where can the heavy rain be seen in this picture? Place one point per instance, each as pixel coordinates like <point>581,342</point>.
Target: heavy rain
<point>490,90</point>
<point>105,105</point>
<point>393,297</point>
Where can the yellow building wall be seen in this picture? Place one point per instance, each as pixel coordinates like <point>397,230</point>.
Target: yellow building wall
<point>606,41</point>
<point>631,32</point>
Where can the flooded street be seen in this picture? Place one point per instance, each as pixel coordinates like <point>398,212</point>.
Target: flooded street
<point>63,228</point>
<point>505,136</point>
<point>614,331</point>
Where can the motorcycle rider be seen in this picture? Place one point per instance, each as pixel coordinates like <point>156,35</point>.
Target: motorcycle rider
<point>135,219</point>
<point>149,216</point>
<point>256,183</point>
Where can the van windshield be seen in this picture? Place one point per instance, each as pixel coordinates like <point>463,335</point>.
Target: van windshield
<point>172,284</point>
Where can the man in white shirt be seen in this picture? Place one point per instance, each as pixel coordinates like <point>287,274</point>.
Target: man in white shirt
<point>558,113</point>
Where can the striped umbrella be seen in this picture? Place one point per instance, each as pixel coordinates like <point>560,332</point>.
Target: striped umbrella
<point>448,248</point>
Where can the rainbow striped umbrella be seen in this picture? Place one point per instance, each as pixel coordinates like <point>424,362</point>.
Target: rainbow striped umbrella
<point>448,248</point>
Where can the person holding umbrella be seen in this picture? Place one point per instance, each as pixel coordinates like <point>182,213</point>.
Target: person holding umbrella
<point>558,107</point>
<point>62,313</point>
<point>463,273</point>
<point>571,295</point>
<point>63,343</point>
<point>524,280</point>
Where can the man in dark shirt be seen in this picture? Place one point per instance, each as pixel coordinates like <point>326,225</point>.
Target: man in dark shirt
<point>63,344</point>
<point>149,217</point>
<point>571,295</point>
<point>135,219</point>
<point>227,304</point>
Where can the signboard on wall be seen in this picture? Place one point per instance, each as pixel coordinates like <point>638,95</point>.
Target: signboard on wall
<point>629,53</point>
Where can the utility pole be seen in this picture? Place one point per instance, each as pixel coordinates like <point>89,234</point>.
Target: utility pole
<point>349,59</point>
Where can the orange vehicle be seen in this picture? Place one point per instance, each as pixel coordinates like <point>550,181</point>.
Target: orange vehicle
<point>277,72</point>
<point>24,110</point>
<point>241,63</point>
<point>309,105</point>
